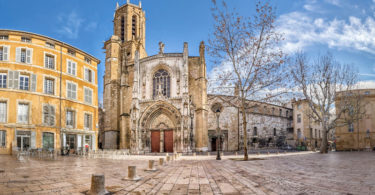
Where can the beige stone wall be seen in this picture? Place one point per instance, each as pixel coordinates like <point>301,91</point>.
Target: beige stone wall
<point>359,138</point>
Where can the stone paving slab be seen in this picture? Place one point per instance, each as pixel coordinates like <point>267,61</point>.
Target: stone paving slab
<point>301,173</point>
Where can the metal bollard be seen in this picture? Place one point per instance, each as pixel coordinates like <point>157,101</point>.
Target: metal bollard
<point>132,174</point>
<point>151,166</point>
<point>97,185</point>
<point>161,161</point>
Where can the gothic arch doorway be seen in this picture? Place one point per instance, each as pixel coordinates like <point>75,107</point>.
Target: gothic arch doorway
<point>160,128</point>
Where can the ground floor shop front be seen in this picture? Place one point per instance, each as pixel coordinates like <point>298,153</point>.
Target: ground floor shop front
<point>26,138</point>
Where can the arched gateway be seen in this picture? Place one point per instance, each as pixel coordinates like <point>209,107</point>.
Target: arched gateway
<point>160,128</point>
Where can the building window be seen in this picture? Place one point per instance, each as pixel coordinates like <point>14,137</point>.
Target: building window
<point>49,115</point>
<point>87,60</point>
<point>3,112</point>
<point>299,134</point>
<point>3,136</point>
<point>89,75</point>
<point>316,133</point>
<point>298,118</point>
<point>4,53</point>
<point>88,121</point>
<point>286,114</point>
<point>71,52</point>
<point>351,127</point>
<point>24,82</point>
<point>70,119</point>
<point>281,112</point>
<point>4,37</point>
<point>71,90</point>
<point>88,141</point>
<point>274,132</point>
<point>72,67</point>
<point>26,39</point>
<point>255,132</point>
<point>23,113</point>
<point>122,28</point>
<point>49,61</point>
<point>88,95</point>
<point>367,92</point>
<point>50,45</point>
<point>134,26</point>
<point>3,80</point>
<point>49,86</point>
<point>161,83</point>
<point>24,55</point>
<point>48,140</point>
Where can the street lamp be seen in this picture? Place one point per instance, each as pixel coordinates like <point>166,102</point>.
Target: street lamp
<point>191,129</point>
<point>217,108</point>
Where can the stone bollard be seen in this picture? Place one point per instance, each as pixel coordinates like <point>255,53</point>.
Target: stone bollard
<point>166,154</point>
<point>208,153</point>
<point>97,185</point>
<point>258,153</point>
<point>175,156</point>
<point>132,174</point>
<point>161,161</point>
<point>236,153</point>
<point>168,158</point>
<point>222,153</point>
<point>194,154</point>
<point>151,166</point>
<point>268,153</point>
<point>284,152</point>
<point>277,153</point>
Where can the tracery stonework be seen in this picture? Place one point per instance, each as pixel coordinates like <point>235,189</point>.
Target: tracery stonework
<point>159,103</point>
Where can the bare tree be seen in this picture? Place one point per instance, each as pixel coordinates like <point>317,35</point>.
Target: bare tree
<point>247,56</point>
<point>321,81</point>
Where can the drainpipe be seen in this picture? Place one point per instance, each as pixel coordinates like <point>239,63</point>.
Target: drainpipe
<point>60,99</point>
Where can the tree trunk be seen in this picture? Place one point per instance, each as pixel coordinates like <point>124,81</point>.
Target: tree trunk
<point>324,144</point>
<point>244,123</point>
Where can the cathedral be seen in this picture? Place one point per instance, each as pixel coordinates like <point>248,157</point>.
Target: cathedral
<point>159,103</point>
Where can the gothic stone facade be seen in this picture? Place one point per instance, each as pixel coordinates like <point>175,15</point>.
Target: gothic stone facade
<point>159,103</point>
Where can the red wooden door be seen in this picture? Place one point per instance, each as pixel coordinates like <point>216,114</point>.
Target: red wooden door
<point>155,141</point>
<point>168,141</point>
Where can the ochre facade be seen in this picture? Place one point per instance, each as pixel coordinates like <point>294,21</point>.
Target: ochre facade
<point>359,134</point>
<point>42,79</point>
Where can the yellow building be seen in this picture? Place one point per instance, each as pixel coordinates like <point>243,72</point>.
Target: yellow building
<point>357,131</point>
<point>48,94</point>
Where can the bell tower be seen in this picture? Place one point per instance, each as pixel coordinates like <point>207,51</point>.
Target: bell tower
<point>129,25</point>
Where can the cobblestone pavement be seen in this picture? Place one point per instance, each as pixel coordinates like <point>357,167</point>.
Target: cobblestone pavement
<point>301,173</point>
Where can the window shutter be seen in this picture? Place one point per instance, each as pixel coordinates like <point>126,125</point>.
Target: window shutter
<point>86,74</point>
<point>85,121</point>
<point>29,56</point>
<point>10,79</point>
<point>33,139</point>
<point>16,79</point>
<point>45,114</point>
<point>52,115</point>
<point>74,68</point>
<point>5,53</point>
<point>18,54</point>
<point>33,82</point>
<point>74,119</point>
<point>93,76</point>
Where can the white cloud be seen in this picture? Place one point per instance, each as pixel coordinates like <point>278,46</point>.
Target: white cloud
<point>91,26</point>
<point>70,24</point>
<point>334,2</point>
<point>366,84</point>
<point>301,30</point>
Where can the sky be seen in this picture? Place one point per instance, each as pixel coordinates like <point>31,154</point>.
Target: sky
<point>346,28</point>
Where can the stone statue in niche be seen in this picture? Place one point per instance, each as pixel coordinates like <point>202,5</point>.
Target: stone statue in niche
<point>161,47</point>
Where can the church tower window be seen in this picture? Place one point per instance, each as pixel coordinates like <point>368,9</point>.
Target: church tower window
<point>161,83</point>
<point>134,26</point>
<point>122,28</point>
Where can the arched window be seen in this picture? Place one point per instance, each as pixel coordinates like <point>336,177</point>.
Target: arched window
<point>122,28</point>
<point>255,133</point>
<point>161,83</point>
<point>134,26</point>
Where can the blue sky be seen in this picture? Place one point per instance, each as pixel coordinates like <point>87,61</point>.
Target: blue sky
<point>345,28</point>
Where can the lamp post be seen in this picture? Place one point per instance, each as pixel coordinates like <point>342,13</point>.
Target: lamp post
<point>191,129</point>
<point>217,108</point>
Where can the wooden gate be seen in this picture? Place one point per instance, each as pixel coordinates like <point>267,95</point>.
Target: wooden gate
<point>155,141</point>
<point>168,141</point>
